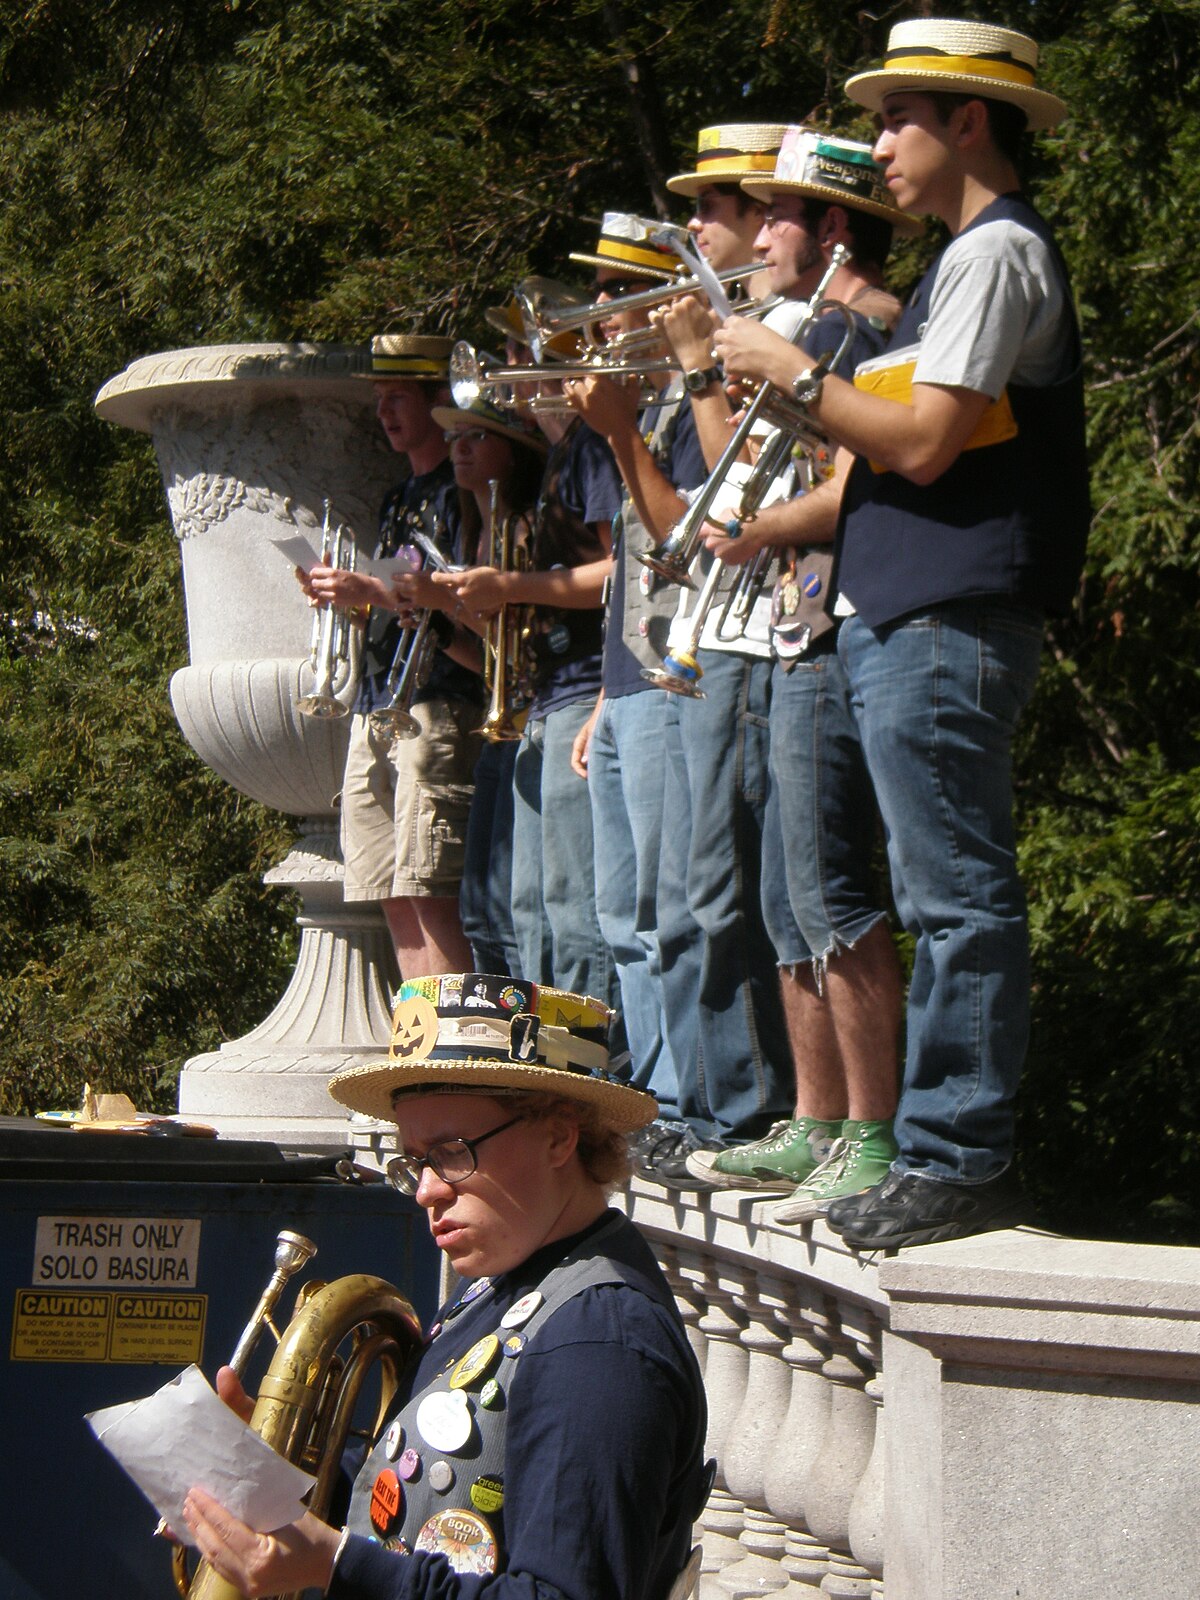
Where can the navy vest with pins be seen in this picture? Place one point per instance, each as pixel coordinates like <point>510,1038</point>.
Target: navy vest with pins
<point>1007,519</point>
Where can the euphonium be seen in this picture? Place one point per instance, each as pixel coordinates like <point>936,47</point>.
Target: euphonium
<point>506,653</point>
<point>334,651</point>
<point>306,1402</point>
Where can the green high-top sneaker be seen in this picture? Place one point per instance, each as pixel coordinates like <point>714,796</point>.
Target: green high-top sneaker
<point>859,1160</point>
<point>777,1162</point>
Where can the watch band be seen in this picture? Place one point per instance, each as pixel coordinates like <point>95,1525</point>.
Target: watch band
<point>697,378</point>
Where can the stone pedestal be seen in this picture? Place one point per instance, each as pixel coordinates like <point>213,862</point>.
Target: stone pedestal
<point>252,440</point>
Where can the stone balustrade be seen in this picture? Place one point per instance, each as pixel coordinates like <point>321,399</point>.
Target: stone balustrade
<point>1041,1433</point>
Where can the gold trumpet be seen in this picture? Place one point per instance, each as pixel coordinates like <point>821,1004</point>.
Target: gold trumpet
<point>333,653</point>
<point>674,556</point>
<point>306,1403</point>
<point>507,652</point>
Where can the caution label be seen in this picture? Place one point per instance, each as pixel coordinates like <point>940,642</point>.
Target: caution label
<point>105,1326</point>
<point>60,1327</point>
<point>104,1252</point>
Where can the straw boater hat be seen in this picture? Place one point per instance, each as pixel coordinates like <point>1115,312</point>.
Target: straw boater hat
<point>482,414</point>
<point>729,153</point>
<point>841,171</point>
<point>473,1033</point>
<point>625,244</point>
<point>506,320</point>
<point>396,356</point>
<point>975,58</point>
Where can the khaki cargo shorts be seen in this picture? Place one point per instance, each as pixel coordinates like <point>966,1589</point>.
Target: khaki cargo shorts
<point>404,805</point>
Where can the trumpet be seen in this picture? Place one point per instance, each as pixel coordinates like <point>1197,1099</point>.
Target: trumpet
<point>674,556</point>
<point>413,658</point>
<point>506,647</point>
<point>473,377</point>
<point>547,314</point>
<point>333,652</point>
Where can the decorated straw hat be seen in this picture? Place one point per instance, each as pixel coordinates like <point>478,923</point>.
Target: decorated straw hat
<point>729,153</point>
<point>625,245</point>
<point>842,171</point>
<point>396,356</point>
<point>474,1033</point>
<point>481,413</point>
<point>975,58</point>
<point>506,320</point>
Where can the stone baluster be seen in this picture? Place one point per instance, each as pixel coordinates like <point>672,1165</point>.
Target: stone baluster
<point>837,1470</point>
<point>685,1270</point>
<point>725,1370</point>
<point>866,1509</point>
<point>806,1560</point>
<point>752,1443</point>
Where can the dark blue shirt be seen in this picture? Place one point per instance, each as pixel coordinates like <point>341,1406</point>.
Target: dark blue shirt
<point>603,1449</point>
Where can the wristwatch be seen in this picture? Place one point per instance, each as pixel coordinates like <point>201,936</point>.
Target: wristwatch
<point>697,378</point>
<point>807,386</point>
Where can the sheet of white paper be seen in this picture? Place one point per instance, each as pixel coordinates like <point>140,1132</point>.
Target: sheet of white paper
<point>182,1436</point>
<point>297,551</point>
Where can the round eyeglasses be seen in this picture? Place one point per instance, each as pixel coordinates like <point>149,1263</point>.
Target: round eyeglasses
<point>453,1160</point>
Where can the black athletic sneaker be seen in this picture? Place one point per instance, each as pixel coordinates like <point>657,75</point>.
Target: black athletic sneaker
<point>659,1153</point>
<point>910,1208</point>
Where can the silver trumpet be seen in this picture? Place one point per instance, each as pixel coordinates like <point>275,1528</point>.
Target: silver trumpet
<point>674,556</point>
<point>547,314</point>
<point>413,658</point>
<point>473,376</point>
<point>334,651</point>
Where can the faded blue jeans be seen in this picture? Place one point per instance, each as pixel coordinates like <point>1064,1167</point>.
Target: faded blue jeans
<point>553,873</point>
<point>937,698</point>
<point>625,783</point>
<point>720,983</point>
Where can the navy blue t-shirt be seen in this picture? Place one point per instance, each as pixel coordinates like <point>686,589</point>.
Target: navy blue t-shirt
<point>589,487</point>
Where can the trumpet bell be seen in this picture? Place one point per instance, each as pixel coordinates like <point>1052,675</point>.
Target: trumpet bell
<point>679,674</point>
<point>322,706</point>
<point>669,561</point>
<point>393,722</point>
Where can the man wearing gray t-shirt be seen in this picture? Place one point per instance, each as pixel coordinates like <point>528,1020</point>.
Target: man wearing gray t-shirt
<point>963,517</point>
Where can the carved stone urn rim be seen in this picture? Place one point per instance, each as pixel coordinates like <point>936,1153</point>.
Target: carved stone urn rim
<point>134,397</point>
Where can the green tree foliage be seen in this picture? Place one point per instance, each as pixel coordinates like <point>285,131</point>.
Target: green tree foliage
<point>180,174</point>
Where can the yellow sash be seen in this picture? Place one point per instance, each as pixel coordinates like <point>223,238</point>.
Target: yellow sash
<point>894,381</point>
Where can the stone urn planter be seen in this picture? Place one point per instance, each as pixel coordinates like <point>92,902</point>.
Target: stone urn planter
<point>252,441</point>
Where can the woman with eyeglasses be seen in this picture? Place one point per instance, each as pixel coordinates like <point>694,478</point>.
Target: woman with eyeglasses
<point>549,1437</point>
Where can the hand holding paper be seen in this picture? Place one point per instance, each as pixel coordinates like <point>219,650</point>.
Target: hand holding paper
<point>183,1436</point>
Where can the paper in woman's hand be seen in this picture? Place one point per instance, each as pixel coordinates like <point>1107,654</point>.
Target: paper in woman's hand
<point>184,1436</point>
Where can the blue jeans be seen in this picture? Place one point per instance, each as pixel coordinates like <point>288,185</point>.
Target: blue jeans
<point>724,1014</point>
<point>553,872</point>
<point>485,899</point>
<point>819,892</point>
<point>625,784</point>
<point>937,699</point>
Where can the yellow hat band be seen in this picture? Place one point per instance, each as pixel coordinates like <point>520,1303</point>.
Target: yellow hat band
<point>960,66</point>
<point>625,251</point>
<point>737,161</point>
<point>406,367</point>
